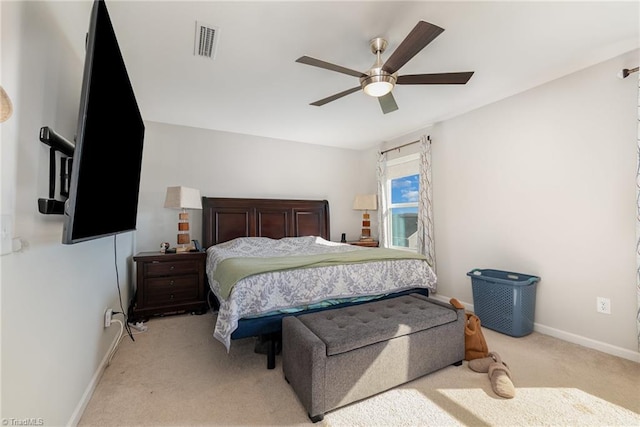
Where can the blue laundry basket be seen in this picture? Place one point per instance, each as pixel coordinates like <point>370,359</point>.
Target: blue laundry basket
<point>504,301</point>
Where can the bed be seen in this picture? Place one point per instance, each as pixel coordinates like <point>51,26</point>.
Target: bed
<point>252,300</point>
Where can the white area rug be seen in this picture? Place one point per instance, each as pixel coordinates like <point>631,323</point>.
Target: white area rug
<point>531,407</point>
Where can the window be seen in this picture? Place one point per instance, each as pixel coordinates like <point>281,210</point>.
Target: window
<point>403,186</point>
<point>403,211</point>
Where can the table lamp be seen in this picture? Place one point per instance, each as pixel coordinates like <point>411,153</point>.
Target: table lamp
<point>366,203</point>
<point>183,198</point>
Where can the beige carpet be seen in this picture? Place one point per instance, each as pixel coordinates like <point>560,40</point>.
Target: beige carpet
<point>177,374</point>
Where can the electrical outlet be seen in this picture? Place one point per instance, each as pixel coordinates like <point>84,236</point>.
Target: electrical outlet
<point>107,317</point>
<point>603,305</point>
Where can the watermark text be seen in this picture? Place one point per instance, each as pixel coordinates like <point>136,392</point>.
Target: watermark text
<point>22,421</point>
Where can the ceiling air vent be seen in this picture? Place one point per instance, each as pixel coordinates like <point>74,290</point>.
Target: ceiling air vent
<point>206,40</point>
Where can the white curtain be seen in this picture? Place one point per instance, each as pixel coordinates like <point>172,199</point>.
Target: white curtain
<point>426,244</point>
<point>638,221</point>
<point>383,232</point>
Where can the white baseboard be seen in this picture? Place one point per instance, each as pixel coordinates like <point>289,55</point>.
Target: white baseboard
<point>86,396</point>
<point>588,342</point>
<point>624,353</point>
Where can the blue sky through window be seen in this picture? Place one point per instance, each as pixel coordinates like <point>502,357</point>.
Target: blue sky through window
<point>405,189</point>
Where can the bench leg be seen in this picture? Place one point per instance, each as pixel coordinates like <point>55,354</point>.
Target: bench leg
<point>271,354</point>
<point>316,418</point>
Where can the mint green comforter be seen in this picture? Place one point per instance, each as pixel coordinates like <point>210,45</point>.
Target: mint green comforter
<point>229,271</point>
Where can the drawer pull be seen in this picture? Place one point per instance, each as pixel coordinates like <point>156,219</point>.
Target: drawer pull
<point>171,296</point>
<point>171,283</point>
<point>172,267</point>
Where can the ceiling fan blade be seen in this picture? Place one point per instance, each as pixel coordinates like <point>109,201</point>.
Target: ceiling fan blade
<point>336,96</point>
<point>435,79</point>
<point>328,66</point>
<point>388,103</point>
<point>421,35</point>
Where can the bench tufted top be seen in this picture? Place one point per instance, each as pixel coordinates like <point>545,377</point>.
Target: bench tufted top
<point>349,328</point>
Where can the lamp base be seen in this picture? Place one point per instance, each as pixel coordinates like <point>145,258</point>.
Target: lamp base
<point>181,249</point>
<point>365,234</point>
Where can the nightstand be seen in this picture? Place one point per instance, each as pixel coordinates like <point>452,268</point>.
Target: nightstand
<point>367,243</point>
<point>168,284</point>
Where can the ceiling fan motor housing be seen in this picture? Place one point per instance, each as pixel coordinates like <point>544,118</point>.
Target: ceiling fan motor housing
<point>382,82</point>
<point>377,76</point>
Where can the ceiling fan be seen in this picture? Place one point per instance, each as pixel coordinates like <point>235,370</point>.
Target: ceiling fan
<point>380,79</point>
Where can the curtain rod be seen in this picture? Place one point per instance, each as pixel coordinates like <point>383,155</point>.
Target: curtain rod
<point>625,72</point>
<point>403,145</point>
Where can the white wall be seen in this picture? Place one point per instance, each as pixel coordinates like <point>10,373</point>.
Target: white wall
<point>222,164</point>
<point>543,183</point>
<point>53,296</point>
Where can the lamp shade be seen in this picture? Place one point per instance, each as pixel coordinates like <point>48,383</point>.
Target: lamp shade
<point>365,202</point>
<point>183,198</point>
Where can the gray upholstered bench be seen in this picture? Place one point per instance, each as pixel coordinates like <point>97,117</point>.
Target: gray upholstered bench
<point>335,357</point>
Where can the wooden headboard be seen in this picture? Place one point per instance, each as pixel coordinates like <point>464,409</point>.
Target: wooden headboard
<point>225,219</point>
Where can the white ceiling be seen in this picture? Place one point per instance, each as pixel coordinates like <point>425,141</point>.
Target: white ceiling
<point>254,86</point>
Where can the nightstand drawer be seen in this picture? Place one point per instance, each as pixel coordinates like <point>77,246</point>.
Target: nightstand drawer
<point>156,268</point>
<point>169,290</point>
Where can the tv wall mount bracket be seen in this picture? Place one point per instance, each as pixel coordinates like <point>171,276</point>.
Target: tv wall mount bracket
<point>66,148</point>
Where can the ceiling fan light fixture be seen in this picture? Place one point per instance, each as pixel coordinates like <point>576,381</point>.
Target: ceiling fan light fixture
<point>378,86</point>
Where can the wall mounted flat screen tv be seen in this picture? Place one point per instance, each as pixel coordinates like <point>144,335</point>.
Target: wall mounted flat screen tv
<point>107,161</point>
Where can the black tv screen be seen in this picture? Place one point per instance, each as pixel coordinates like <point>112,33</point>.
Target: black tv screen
<point>107,162</point>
